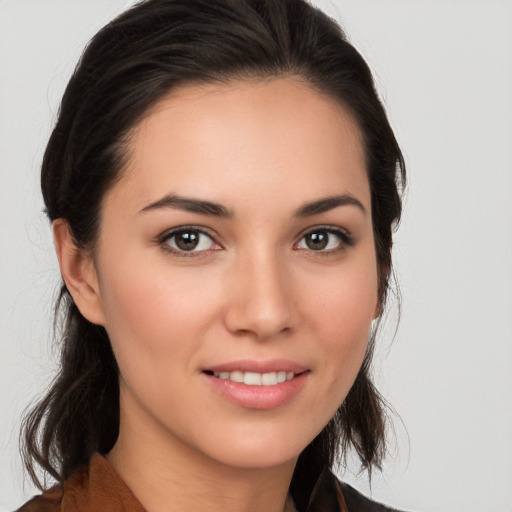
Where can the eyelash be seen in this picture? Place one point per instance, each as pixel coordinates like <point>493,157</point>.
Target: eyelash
<point>344,237</point>
<point>163,241</point>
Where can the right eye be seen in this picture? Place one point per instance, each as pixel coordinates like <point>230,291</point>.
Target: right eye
<point>326,240</point>
<point>187,241</point>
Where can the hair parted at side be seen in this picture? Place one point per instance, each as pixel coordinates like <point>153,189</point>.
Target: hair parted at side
<point>127,67</point>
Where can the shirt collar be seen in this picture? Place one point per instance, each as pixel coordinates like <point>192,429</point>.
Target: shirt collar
<point>326,495</point>
<point>99,487</point>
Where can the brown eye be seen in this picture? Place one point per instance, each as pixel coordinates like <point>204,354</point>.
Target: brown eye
<point>325,240</point>
<point>317,241</point>
<point>188,241</point>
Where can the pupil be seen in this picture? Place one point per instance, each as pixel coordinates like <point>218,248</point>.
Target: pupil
<point>317,241</point>
<point>187,241</point>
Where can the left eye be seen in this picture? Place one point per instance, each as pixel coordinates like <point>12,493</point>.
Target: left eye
<point>323,240</point>
<point>189,240</point>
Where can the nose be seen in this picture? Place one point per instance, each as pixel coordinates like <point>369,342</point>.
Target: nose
<point>260,298</point>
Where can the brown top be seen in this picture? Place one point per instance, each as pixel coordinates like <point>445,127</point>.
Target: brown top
<point>98,488</point>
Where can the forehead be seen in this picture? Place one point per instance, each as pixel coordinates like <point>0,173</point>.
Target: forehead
<point>246,136</point>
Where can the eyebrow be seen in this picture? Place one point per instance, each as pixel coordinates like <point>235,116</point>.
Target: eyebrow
<point>217,210</point>
<point>190,205</point>
<point>327,204</point>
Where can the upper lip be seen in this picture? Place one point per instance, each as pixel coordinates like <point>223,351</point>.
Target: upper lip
<point>258,366</point>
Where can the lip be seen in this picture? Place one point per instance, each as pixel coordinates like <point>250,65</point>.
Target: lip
<point>250,365</point>
<point>257,397</point>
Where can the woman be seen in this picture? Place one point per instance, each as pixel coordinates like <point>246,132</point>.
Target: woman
<point>222,183</point>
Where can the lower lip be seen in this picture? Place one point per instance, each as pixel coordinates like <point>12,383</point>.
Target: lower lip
<point>258,397</point>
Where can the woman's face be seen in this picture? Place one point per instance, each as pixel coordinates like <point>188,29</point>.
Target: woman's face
<point>237,246</point>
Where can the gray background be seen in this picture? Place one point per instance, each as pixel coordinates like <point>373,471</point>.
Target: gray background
<point>444,69</point>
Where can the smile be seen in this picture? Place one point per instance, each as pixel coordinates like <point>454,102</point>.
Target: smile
<point>256,379</point>
<point>257,390</point>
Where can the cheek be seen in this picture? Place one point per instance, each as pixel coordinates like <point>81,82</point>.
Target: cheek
<point>345,301</point>
<point>152,314</point>
<point>342,317</point>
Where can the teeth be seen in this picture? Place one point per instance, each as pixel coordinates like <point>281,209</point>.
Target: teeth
<point>236,376</point>
<point>269,379</point>
<point>256,379</point>
<point>252,379</point>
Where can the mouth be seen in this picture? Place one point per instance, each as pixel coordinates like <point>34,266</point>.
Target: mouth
<point>257,385</point>
<point>254,378</point>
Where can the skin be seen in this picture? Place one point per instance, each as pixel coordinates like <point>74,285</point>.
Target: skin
<point>254,290</point>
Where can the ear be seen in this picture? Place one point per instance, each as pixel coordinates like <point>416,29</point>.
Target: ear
<point>79,273</point>
<point>383,275</point>
<point>378,310</point>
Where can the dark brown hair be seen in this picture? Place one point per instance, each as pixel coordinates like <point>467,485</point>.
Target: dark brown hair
<point>129,66</point>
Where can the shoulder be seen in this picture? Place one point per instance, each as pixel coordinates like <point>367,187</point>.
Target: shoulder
<point>60,497</point>
<point>94,487</point>
<point>358,502</point>
<point>332,495</point>
<point>49,501</point>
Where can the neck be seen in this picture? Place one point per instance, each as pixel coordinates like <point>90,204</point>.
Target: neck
<point>165,474</point>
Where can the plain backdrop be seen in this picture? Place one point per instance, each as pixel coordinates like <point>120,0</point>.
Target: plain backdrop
<point>444,71</point>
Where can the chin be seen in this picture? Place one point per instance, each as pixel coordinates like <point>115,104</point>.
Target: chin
<point>259,451</point>
<point>259,459</point>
